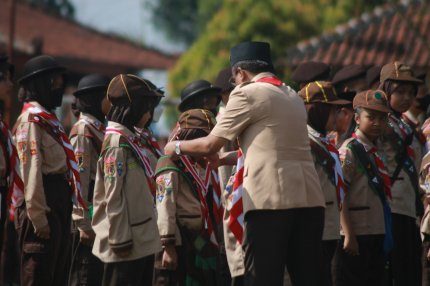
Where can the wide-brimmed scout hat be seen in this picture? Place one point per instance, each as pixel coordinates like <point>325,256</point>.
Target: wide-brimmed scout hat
<point>321,92</point>
<point>398,71</point>
<point>197,88</point>
<point>372,99</point>
<point>348,73</point>
<point>311,71</point>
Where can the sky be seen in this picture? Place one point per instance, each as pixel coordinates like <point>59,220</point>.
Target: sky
<point>129,18</point>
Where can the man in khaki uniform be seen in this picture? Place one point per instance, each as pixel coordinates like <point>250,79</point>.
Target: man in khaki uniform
<point>86,137</point>
<point>124,219</point>
<point>283,202</point>
<point>44,218</point>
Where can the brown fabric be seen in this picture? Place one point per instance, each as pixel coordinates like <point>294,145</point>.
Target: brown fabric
<point>398,71</point>
<point>129,273</point>
<point>348,73</point>
<point>310,71</point>
<point>197,119</point>
<point>321,91</point>
<point>372,99</point>
<point>318,114</point>
<point>45,261</point>
<point>129,87</point>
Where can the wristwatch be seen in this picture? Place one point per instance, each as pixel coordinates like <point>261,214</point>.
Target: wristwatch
<point>178,148</point>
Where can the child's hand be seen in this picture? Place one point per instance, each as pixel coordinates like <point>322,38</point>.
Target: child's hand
<point>350,245</point>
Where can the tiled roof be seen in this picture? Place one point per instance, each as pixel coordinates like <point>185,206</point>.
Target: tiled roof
<point>75,44</point>
<point>391,32</point>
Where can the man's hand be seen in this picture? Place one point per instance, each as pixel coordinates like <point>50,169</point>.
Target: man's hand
<point>169,149</point>
<point>44,232</point>
<point>350,245</point>
<point>170,258</point>
<point>87,237</point>
<point>213,160</point>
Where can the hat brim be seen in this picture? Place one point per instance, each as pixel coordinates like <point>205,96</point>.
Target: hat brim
<point>380,108</point>
<point>59,69</point>
<point>82,91</point>
<point>409,79</point>
<point>332,102</point>
<point>214,90</point>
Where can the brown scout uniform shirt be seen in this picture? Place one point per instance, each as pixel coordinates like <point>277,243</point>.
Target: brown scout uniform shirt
<point>40,154</point>
<point>270,123</point>
<point>365,208</point>
<point>402,191</point>
<point>86,138</point>
<point>425,187</point>
<point>177,203</point>
<point>124,212</point>
<point>331,218</point>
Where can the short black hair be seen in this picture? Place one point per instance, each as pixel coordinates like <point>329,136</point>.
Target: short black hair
<point>253,66</point>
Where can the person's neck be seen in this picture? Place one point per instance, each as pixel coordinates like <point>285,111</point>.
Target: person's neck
<point>372,139</point>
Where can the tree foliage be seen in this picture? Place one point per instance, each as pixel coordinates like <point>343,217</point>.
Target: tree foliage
<point>281,23</point>
<point>182,20</point>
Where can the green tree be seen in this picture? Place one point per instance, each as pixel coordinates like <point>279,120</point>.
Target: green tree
<point>281,23</point>
<point>182,20</point>
<point>61,7</point>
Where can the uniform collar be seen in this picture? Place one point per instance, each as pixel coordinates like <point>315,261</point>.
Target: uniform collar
<point>368,145</point>
<point>314,133</point>
<point>38,105</point>
<point>122,128</point>
<point>262,75</point>
<point>91,119</point>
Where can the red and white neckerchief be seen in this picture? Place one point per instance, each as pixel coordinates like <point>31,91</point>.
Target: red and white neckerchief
<point>52,121</point>
<point>151,141</point>
<point>133,141</point>
<point>405,131</point>
<point>272,80</point>
<point>338,174</point>
<point>216,194</point>
<point>381,166</point>
<point>202,189</point>
<point>15,193</point>
<point>234,201</point>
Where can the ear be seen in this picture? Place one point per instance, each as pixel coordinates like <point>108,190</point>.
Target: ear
<point>357,118</point>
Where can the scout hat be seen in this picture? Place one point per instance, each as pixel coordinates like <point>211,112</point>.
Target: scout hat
<point>372,99</point>
<point>251,51</point>
<point>372,75</point>
<point>40,65</point>
<point>311,71</point>
<point>348,73</point>
<point>129,87</point>
<point>197,119</point>
<point>223,80</point>
<point>398,71</point>
<point>198,88</point>
<point>321,91</point>
<point>91,83</point>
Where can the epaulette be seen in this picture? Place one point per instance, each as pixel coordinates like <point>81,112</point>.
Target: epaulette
<point>165,163</point>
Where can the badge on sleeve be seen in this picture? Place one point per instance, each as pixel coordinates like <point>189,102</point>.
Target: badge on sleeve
<point>109,166</point>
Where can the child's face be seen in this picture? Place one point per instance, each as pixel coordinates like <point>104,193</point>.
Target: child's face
<point>402,97</point>
<point>143,120</point>
<point>371,122</point>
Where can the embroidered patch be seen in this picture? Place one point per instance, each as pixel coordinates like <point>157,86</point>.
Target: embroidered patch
<point>109,167</point>
<point>80,159</point>
<point>23,158</point>
<point>132,165</point>
<point>33,148</point>
<point>119,169</point>
<point>22,147</point>
<point>168,182</point>
<point>159,195</point>
<point>22,134</point>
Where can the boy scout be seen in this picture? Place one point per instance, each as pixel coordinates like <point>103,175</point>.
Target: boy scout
<point>86,138</point>
<point>403,153</point>
<point>124,218</point>
<point>48,168</point>
<point>322,104</point>
<point>283,208</point>
<point>365,218</point>
<point>185,221</point>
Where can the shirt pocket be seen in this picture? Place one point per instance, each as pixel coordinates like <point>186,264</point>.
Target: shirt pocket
<point>52,151</point>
